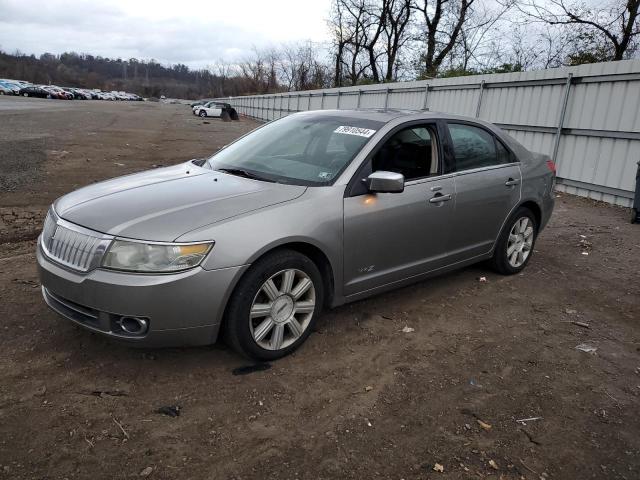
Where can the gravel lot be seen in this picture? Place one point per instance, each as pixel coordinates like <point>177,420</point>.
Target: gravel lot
<point>362,399</point>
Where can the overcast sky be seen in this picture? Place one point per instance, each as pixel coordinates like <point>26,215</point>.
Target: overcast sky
<point>194,32</point>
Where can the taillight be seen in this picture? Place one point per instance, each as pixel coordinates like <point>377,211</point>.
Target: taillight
<point>552,166</point>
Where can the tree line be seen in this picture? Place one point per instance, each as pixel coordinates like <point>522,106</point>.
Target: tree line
<point>373,41</point>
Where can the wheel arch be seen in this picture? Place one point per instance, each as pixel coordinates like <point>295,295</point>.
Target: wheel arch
<point>313,252</point>
<point>310,250</point>
<point>527,203</point>
<point>535,208</point>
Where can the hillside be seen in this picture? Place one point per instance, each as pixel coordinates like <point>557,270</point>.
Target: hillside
<point>146,78</point>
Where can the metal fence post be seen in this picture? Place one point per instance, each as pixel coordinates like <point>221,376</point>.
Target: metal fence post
<point>338,101</point>
<point>322,102</point>
<point>386,99</point>
<point>359,95</point>
<point>480,99</point>
<point>426,97</point>
<point>309,103</point>
<point>565,100</point>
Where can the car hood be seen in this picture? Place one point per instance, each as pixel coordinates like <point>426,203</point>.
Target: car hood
<point>163,204</point>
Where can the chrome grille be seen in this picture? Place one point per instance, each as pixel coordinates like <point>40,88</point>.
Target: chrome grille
<point>71,245</point>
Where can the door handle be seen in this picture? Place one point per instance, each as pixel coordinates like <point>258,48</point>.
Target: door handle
<point>511,182</point>
<point>438,198</point>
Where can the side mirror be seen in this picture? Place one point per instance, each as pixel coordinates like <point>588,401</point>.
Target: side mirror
<point>385,182</point>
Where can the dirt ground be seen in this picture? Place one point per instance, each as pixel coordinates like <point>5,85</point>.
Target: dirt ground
<point>361,399</point>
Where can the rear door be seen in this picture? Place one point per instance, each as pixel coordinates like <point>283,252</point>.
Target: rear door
<point>487,184</point>
<point>389,237</point>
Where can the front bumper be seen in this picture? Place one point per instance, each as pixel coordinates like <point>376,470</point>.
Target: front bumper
<point>182,309</point>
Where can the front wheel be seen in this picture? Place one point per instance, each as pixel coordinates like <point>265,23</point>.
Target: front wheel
<point>274,306</point>
<point>202,113</point>
<point>515,245</point>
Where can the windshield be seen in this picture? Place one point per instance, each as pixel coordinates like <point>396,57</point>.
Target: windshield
<point>298,149</point>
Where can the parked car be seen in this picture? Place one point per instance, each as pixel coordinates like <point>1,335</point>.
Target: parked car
<point>316,209</point>
<point>8,87</point>
<point>216,109</point>
<point>35,91</point>
<point>68,94</point>
<point>55,92</point>
<point>17,84</point>
<point>80,94</point>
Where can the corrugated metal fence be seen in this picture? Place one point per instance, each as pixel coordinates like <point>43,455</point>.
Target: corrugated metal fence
<point>587,118</point>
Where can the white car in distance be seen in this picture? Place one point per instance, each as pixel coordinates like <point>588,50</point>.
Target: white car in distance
<point>209,109</point>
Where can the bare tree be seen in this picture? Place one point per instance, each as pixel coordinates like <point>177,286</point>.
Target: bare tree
<point>610,27</point>
<point>301,67</point>
<point>397,14</point>
<point>340,37</point>
<point>368,38</point>
<point>484,25</point>
<point>354,59</point>
<point>441,26</point>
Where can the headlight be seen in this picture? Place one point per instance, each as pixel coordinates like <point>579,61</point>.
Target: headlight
<point>154,257</point>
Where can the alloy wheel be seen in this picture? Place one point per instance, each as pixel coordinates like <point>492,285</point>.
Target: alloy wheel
<point>520,242</point>
<point>282,309</point>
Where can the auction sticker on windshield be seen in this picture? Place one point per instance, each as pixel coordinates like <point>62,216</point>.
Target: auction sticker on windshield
<point>361,132</point>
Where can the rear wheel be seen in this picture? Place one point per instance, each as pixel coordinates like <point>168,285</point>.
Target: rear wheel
<point>274,306</point>
<point>515,245</point>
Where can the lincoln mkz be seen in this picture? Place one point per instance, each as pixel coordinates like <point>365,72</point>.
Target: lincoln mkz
<point>310,211</point>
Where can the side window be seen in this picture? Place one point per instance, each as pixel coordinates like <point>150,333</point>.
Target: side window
<point>504,155</point>
<point>473,147</point>
<point>412,152</point>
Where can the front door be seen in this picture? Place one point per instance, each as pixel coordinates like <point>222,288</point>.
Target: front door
<point>392,236</point>
<point>389,237</point>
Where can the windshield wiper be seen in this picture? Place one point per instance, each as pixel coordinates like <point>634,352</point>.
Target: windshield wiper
<point>244,173</point>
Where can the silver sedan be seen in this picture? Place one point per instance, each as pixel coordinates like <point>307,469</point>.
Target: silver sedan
<point>311,211</point>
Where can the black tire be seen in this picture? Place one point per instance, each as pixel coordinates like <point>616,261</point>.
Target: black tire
<point>237,330</point>
<point>202,114</point>
<point>25,94</point>
<point>634,215</point>
<point>500,260</point>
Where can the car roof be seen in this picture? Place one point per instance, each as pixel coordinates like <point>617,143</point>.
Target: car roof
<point>376,114</point>
<point>389,114</point>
